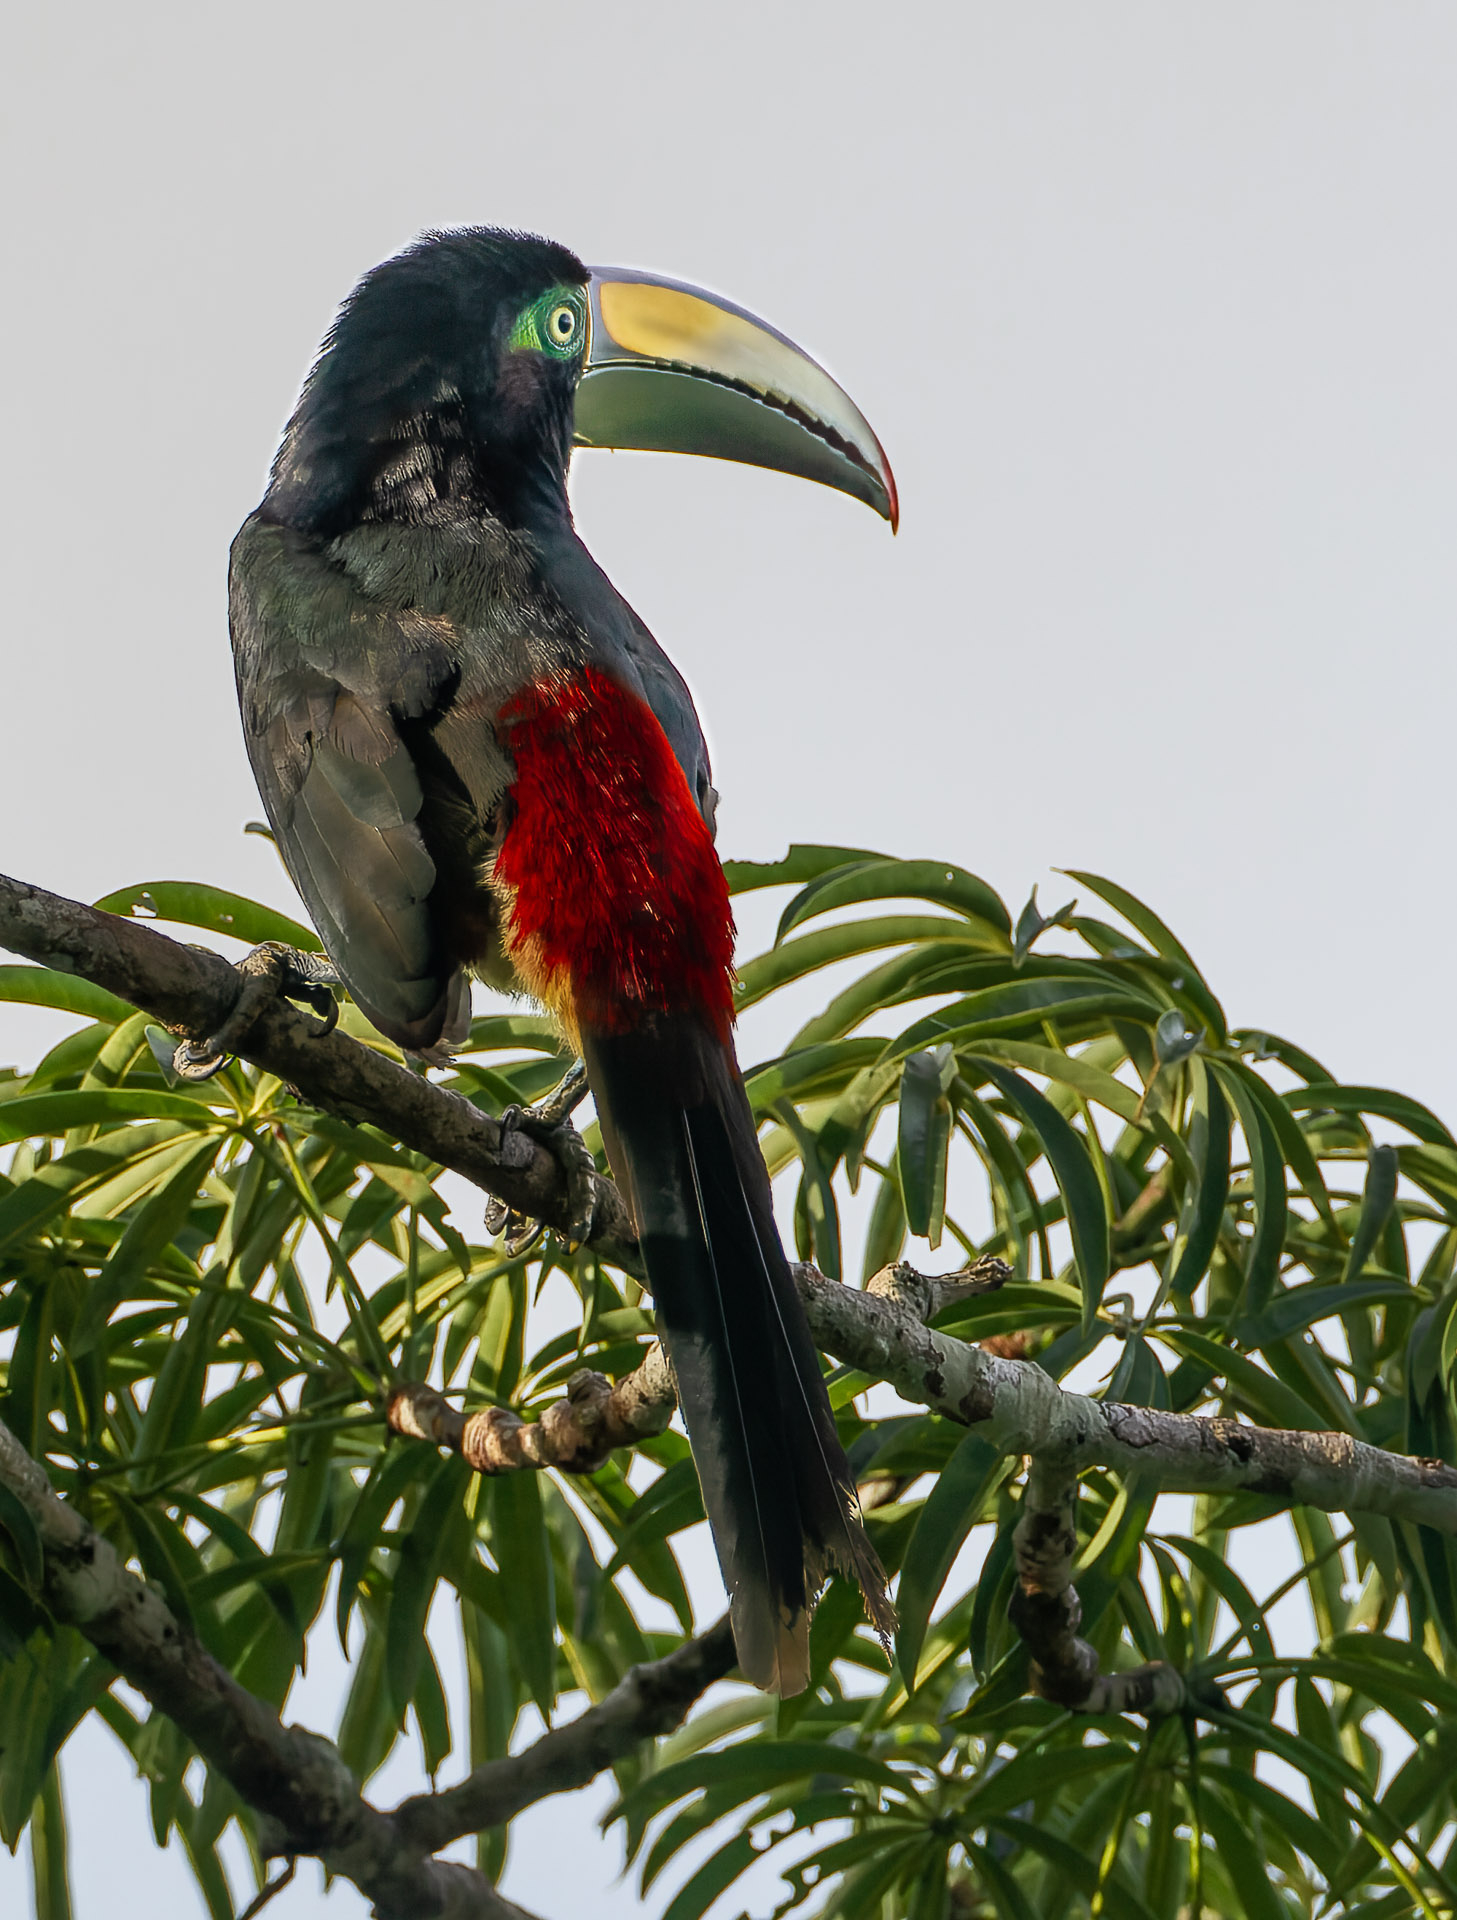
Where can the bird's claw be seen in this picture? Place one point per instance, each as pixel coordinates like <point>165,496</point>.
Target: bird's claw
<point>269,971</point>
<point>547,1123</point>
<point>518,1230</point>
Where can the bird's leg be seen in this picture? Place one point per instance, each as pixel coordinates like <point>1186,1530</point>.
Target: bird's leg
<point>549,1121</point>
<point>269,971</point>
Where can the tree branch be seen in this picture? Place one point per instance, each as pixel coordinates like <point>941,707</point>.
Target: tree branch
<point>308,1800</point>
<point>1047,1614</point>
<point>1019,1409</point>
<point>191,992</point>
<point>1016,1407</point>
<point>649,1701</point>
<point>575,1435</point>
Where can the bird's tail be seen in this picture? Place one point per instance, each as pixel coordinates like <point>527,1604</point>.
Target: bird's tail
<point>776,1485</point>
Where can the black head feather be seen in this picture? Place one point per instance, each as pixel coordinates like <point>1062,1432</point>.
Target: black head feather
<point>406,408</point>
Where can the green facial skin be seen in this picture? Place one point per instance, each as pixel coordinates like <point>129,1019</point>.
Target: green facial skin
<point>555,324</point>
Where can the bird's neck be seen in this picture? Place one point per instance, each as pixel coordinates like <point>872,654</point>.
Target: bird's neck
<point>337,469</point>
<point>434,468</point>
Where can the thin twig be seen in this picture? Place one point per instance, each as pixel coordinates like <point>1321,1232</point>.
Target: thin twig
<point>267,1893</point>
<point>650,1700</point>
<point>574,1434</point>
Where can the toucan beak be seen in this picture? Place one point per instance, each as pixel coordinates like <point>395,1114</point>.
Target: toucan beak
<point>672,369</point>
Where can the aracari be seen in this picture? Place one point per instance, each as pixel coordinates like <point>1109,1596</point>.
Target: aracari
<point>477,761</point>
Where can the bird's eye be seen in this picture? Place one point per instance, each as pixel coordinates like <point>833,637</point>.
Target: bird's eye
<point>562,325</point>
<point>554,323</point>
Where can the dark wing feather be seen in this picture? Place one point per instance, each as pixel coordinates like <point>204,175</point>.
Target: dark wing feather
<point>324,681</point>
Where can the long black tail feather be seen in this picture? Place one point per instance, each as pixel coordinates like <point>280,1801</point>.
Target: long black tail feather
<point>776,1486</point>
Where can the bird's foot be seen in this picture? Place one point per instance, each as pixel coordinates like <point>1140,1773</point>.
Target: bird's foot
<point>553,1108</point>
<point>549,1123</point>
<point>268,972</point>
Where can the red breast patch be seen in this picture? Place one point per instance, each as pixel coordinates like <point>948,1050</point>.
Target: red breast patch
<point>618,903</point>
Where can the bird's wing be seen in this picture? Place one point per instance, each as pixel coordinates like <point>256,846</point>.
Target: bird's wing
<point>621,643</point>
<point>326,681</point>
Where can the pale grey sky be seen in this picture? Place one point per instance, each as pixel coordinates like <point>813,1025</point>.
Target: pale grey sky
<point>1153,306</point>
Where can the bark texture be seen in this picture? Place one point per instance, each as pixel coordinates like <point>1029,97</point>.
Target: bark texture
<point>192,992</point>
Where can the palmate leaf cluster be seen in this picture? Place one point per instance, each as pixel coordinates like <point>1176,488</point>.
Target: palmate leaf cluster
<point>203,1288</point>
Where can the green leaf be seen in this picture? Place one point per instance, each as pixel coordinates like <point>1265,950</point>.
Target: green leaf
<point>862,1894</point>
<point>642,1527</point>
<point>366,1727</point>
<point>1237,1839</point>
<point>16,1521</point>
<point>50,1876</point>
<point>1377,1200</point>
<point>1139,1379</point>
<point>1069,1070</point>
<point>1300,1307</point>
<point>796,959</point>
<point>1277,1404</point>
<point>1272,1212</point>
<point>805,1073</point>
<point>817,1194</point>
<point>166,1555</point>
<point>1278,1811</point>
<point>1173,1040</point>
<point>1403,1663</point>
<point>751,1768</point>
<point>1030,1002</point>
<point>522,1551</point>
<point>1034,1774</point>
<point>1012,1308</point>
<point>51,1113</point>
<point>66,992</point>
<point>1203,1214</point>
<point>1327,1096</point>
<point>1032,924</point>
<point>363,1532</point>
<point>1293,1144</point>
<point>715,1876</point>
<point>149,1232</point>
<point>801,863</point>
<point>1082,1194</point>
<point>1137,915</point>
<point>884,879</point>
<point>66,1061</point>
<point>189,903</point>
<point>1011,1902</point>
<point>885,1237</point>
<point>924,1139</point>
<point>1231,1590</point>
<point>952,1508</point>
<point>176,1398</point>
<point>494,1699</point>
<point>1112,1555</point>
<point>432,1713</point>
